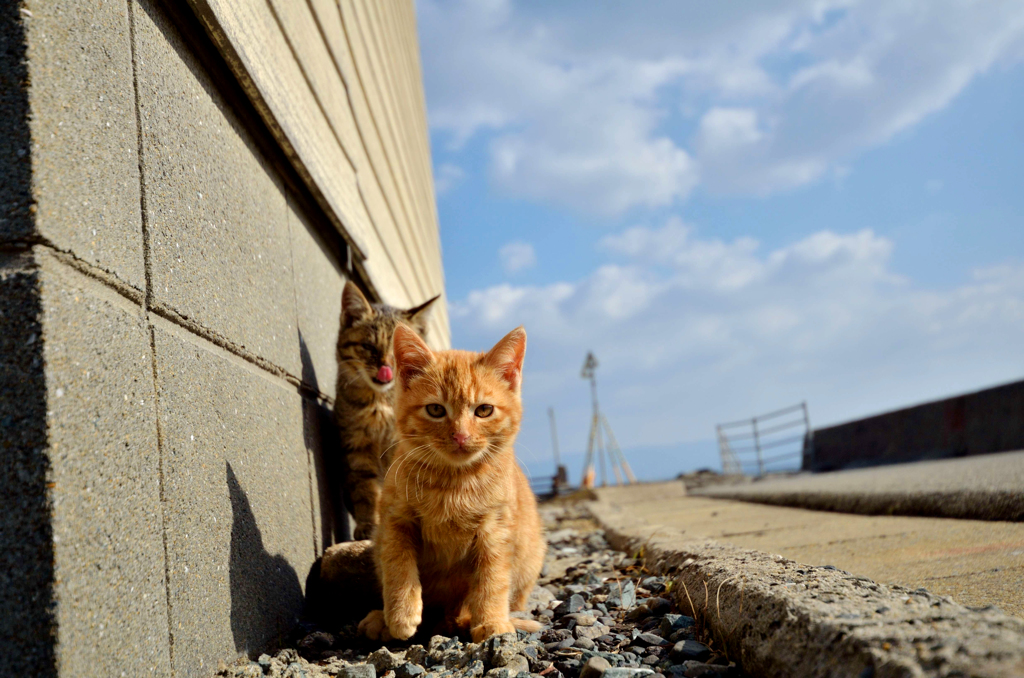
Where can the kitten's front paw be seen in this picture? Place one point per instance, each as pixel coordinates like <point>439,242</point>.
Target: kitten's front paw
<point>374,628</point>
<point>404,621</point>
<point>484,631</point>
<point>363,531</point>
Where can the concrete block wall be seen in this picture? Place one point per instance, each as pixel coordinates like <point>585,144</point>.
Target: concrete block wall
<point>169,303</point>
<point>990,420</point>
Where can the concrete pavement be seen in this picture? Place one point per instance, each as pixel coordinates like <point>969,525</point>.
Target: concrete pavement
<point>780,615</point>
<point>983,487</point>
<point>976,563</point>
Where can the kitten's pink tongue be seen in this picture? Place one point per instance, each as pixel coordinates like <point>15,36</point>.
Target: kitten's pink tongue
<point>384,374</point>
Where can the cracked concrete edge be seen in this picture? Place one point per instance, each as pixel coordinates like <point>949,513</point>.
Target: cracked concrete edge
<point>777,617</point>
<point>965,505</point>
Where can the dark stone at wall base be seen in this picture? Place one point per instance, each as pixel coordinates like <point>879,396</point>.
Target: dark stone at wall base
<point>671,623</point>
<point>689,649</point>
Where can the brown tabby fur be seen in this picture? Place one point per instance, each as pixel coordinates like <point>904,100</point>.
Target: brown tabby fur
<point>459,524</point>
<point>363,408</point>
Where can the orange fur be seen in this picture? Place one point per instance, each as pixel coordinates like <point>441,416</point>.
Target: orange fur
<point>459,526</point>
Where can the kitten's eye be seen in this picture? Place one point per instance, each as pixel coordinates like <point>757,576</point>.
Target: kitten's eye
<point>435,410</point>
<point>370,348</point>
<point>484,411</point>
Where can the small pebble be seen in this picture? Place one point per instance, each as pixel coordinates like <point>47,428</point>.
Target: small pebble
<point>689,649</point>
<point>569,667</point>
<point>574,604</point>
<point>594,667</point>
<point>627,672</point>
<point>357,671</point>
<point>649,639</point>
<point>408,670</point>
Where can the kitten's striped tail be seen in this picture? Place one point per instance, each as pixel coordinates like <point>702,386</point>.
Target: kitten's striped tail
<point>528,625</point>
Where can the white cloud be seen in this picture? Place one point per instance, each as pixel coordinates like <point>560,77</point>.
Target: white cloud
<point>693,331</point>
<point>447,177</point>
<point>727,129</point>
<point>580,102</point>
<point>516,256</point>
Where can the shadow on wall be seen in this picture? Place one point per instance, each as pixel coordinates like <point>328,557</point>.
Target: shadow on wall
<point>266,597</point>
<point>27,625</point>
<point>322,440</point>
<point>27,605</point>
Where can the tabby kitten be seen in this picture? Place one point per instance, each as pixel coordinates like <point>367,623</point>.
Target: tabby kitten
<point>364,400</point>
<point>459,525</point>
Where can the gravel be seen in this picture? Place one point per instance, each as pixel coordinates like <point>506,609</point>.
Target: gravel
<point>602,613</point>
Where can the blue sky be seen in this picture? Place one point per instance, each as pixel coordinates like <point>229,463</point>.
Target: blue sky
<point>735,209</point>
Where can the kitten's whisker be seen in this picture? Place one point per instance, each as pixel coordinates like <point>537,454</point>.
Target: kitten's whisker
<point>403,458</point>
<point>398,466</point>
<point>400,440</point>
<point>395,466</point>
<point>529,476</point>
<point>419,483</point>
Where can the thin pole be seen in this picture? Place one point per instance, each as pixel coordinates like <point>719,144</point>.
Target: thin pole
<point>807,460</point>
<point>721,450</point>
<point>730,463</point>
<point>554,435</point>
<point>595,431</point>
<point>757,446</point>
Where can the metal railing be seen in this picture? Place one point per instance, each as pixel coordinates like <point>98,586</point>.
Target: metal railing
<point>546,487</point>
<point>784,433</point>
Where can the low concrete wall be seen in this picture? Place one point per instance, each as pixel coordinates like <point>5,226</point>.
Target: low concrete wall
<point>169,300</point>
<point>986,421</point>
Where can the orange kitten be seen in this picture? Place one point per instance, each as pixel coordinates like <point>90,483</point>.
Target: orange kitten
<point>459,527</point>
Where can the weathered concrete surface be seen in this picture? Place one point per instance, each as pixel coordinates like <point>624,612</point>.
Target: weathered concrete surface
<point>990,420</point>
<point>983,487</point>
<point>240,536</point>
<point>83,160</point>
<point>93,474</point>
<point>978,563</point>
<point>318,286</point>
<point>779,617</point>
<point>104,479</point>
<point>218,224</point>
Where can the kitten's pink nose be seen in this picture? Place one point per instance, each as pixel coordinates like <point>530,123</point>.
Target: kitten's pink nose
<point>384,374</point>
<point>460,438</point>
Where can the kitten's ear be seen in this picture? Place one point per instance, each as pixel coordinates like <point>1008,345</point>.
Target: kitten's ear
<point>412,355</point>
<point>417,317</point>
<point>354,306</point>
<point>507,357</point>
